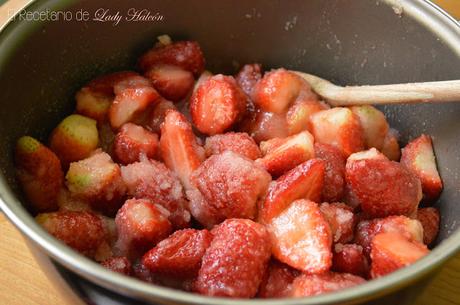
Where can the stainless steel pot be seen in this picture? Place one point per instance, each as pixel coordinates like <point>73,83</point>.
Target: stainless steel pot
<point>42,63</point>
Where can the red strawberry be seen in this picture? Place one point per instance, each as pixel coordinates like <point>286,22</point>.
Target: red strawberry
<point>350,198</point>
<point>158,114</point>
<point>392,251</point>
<point>287,153</point>
<point>140,224</point>
<point>227,185</point>
<point>302,238</point>
<point>132,141</point>
<point>350,258</point>
<point>315,284</point>
<point>418,156</point>
<point>179,147</point>
<point>238,142</point>
<point>180,254</point>
<point>429,218</point>
<point>217,104</point>
<point>341,219</point>
<point>277,282</point>
<point>39,173</point>
<point>152,180</point>
<point>334,176</point>
<point>172,82</point>
<point>304,181</point>
<point>263,126</point>
<point>374,124</point>
<point>248,77</point>
<point>383,187</point>
<point>234,264</point>
<point>184,54</point>
<point>339,127</point>
<point>119,264</point>
<point>298,115</point>
<point>391,146</point>
<point>105,84</point>
<point>68,203</point>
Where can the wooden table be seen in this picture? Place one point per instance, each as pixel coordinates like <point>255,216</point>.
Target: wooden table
<point>22,282</point>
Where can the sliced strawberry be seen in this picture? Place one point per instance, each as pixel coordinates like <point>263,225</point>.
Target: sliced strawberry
<point>158,114</point>
<point>302,237</point>
<point>238,142</point>
<point>172,82</point>
<point>179,148</point>
<point>315,284</point>
<point>298,115</point>
<point>287,153</point>
<point>334,176</point>
<point>429,218</point>
<point>392,251</point>
<point>93,104</point>
<point>217,104</point>
<point>339,127</point>
<point>374,124</point>
<point>304,181</point>
<point>391,146</point>
<point>418,156</point>
<point>132,141</point>
<point>341,219</point>
<point>119,264</point>
<point>248,76</point>
<point>277,282</point>
<point>105,84</point>
<point>263,126</point>
<point>350,258</point>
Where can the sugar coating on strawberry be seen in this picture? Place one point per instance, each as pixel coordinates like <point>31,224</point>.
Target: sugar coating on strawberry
<point>298,115</point>
<point>184,54</point>
<point>75,138</point>
<point>132,141</point>
<point>263,126</point>
<point>227,185</point>
<point>277,282</point>
<point>152,180</point>
<point>383,187</point>
<point>302,237</point>
<point>390,146</point>
<point>392,251</point>
<point>341,219</point>
<point>304,181</point>
<point>418,156</point>
<point>39,173</point>
<point>287,153</point>
<point>338,127</point>
<point>316,284</point>
<point>429,218</point>
<point>374,124</point>
<point>234,264</point>
<point>238,142</point>
<point>349,258</point>
<point>97,179</point>
<point>172,82</point>
<point>334,176</point>
<point>141,224</point>
<point>93,104</point>
<point>217,104</point>
<point>180,254</point>
<point>367,229</point>
<point>248,76</point>
<point>119,264</point>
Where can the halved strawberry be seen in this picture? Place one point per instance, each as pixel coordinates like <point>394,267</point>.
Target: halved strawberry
<point>132,141</point>
<point>248,76</point>
<point>418,156</point>
<point>309,285</point>
<point>263,126</point>
<point>341,219</point>
<point>172,82</point>
<point>391,251</point>
<point>350,258</point>
<point>298,115</point>
<point>238,142</point>
<point>374,124</point>
<point>158,114</point>
<point>179,148</point>
<point>339,127</point>
<point>429,218</point>
<point>390,146</point>
<point>334,176</point>
<point>277,282</point>
<point>304,181</point>
<point>93,104</point>
<point>287,153</point>
<point>302,238</point>
<point>104,85</point>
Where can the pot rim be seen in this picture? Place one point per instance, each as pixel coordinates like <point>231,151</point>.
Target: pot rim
<point>443,24</point>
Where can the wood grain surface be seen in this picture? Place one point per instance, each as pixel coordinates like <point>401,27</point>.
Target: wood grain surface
<point>22,282</point>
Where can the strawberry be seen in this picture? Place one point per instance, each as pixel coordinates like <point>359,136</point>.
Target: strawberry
<point>339,127</point>
<point>301,237</point>
<point>180,254</point>
<point>75,138</point>
<point>97,180</point>
<point>392,251</point>
<point>179,147</point>
<point>334,176</point>
<point>350,258</point>
<point>172,82</point>
<point>105,84</point>
<point>298,115</point>
<point>248,76</point>
<point>374,124</point>
<point>350,198</point>
<point>205,75</point>
<point>152,180</point>
<point>119,264</point>
<point>304,181</point>
<point>287,153</point>
<point>429,218</point>
<point>93,104</point>
<point>67,202</point>
<point>391,146</point>
<point>277,282</point>
<point>238,142</point>
<point>227,185</point>
<point>158,114</point>
<point>383,187</point>
<point>184,54</point>
<point>341,219</point>
<point>141,224</point>
<point>309,285</point>
<point>217,104</point>
<point>234,264</point>
<point>263,126</point>
<point>418,156</point>
<point>132,141</point>
<point>39,173</point>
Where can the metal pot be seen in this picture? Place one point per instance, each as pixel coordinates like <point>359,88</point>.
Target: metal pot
<point>42,64</point>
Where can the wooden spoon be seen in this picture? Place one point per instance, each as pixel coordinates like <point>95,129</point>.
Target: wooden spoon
<point>430,92</point>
